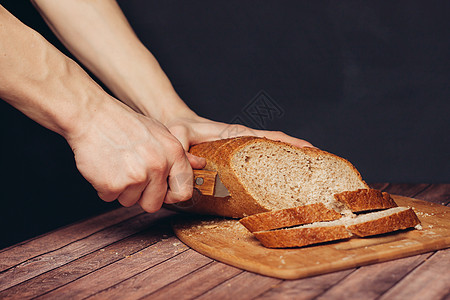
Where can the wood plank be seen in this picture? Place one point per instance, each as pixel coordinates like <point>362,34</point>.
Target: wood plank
<point>246,285</point>
<point>437,193</point>
<point>381,186</point>
<point>307,288</point>
<point>406,189</point>
<point>61,237</point>
<point>196,283</point>
<point>119,271</point>
<point>76,269</point>
<point>72,251</point>
<point>429,281</point>
<point>154,278</point>
<point>372,281</point>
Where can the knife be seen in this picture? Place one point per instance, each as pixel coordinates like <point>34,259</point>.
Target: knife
<point>209,184</point>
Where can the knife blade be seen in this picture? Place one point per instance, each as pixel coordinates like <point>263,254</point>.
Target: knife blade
<point>209,183</point>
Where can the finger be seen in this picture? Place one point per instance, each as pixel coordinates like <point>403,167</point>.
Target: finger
<point>196,161</point>
<point>131,194</point>
<point>154,193</point>
<point>281,136</point>
<point>182,135</point>
<point>181,182</point>
<point>108,196</point>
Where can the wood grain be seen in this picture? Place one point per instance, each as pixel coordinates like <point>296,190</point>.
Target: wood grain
<point>196,283</point>
<point>204,181</point>
<point>54,259</point>
<point>243,286</point>
<point>154,278</point>
<point>378,186</point>
<point>372,281</point>
<point>84,265</point>
<point>406,189</point>
<point>228,241</point>
<point>306,288</point>
<point>119,271</point>
<point>436,193</point>
<point>429,281</point>
<point>19,253</point>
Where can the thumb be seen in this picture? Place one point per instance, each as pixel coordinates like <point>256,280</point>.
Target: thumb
<point>196,161</point>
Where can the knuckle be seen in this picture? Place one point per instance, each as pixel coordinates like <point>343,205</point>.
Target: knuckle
<point>178,130</point>
<point>138,176</point>
<point>109,190</point>
<point>183,194</point>
<point>159,165</point>
<point>150,205</point>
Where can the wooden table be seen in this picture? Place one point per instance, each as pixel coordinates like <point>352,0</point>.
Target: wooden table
<point>126,253</point>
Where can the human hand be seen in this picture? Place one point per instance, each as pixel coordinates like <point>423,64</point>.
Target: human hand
<point>133,158</point>
<point>193,129</point>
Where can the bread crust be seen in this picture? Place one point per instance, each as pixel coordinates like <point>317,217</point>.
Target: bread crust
<point>365,200</point>
<point>299,237</point>
<point>289,217</point>
<point>401,220</point>
<point>240,203</point>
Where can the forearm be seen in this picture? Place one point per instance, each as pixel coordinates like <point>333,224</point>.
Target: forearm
<point>98,34</point>
<point>43,83</point>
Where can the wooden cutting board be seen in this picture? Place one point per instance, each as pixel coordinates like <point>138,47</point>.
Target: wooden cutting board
<point>226,240</point>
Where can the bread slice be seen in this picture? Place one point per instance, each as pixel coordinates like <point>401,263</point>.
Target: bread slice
<point>383,221</point>
<point>289,217</point>
<point>304,235</point>
<point>263,175</point>
<point>365,200</point>
<point>363,225</point>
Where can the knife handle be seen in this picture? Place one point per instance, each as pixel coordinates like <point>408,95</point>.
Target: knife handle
<point>204,181</point>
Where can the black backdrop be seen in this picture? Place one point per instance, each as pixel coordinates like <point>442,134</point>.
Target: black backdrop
<point>367,80</point>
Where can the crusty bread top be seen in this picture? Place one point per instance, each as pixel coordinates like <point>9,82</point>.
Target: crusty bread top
<point>289,217</point>
<point>365,200</point>
<point>263,175</point>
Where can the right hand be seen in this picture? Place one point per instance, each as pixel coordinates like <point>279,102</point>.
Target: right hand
<point>133,158</point>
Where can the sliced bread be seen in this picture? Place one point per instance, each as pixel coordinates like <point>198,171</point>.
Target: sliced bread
<point>263,175</point>
<point>383,221</point>
<point>310,234</point>
<point>289,217</point>
<point>363,225</point>
<point>365,200</point>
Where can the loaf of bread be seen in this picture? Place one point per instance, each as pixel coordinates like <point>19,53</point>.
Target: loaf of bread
<point>274,186</point>
<point>264,175</point>
<point>363,225</point>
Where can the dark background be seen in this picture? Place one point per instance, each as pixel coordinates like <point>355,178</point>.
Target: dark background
<point>367,80</point>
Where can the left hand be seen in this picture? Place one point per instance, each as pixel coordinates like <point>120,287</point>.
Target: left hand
<point>194,130</point>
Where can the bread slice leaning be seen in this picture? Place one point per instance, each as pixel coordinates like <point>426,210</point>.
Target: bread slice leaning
<point>363,225</point>
<point>263,175</point>
<point>289,217</point>
<point>365,200</point>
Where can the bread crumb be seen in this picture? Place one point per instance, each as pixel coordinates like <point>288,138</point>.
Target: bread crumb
<point>210,226</point>
<point>419,227</point>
